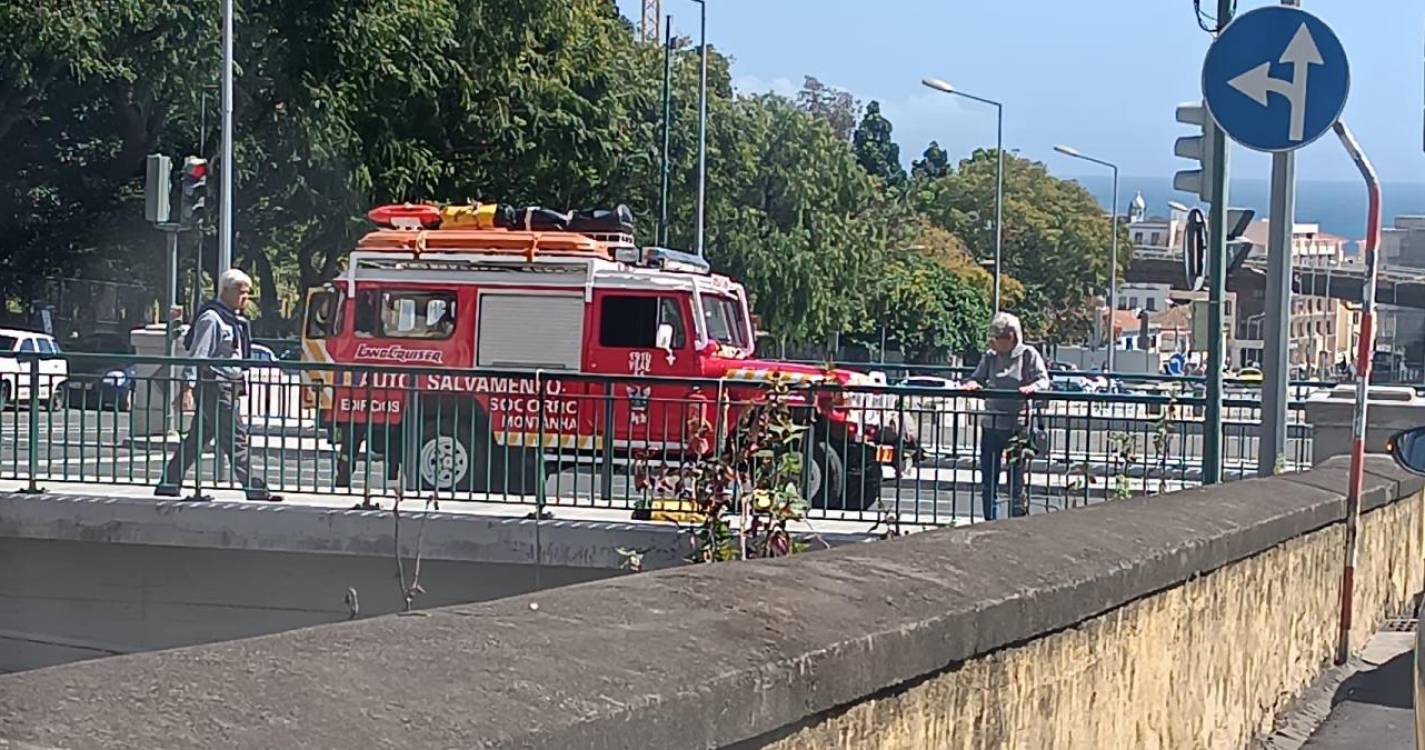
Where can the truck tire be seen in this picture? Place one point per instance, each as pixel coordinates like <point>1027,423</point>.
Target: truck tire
<point>459,455</point>
<point>825,485</point>
<point>444,456</point>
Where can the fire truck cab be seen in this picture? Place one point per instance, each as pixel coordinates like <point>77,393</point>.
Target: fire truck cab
<point>502,325</point>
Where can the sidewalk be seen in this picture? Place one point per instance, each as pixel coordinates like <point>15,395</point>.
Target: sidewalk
<point>1373,709</point>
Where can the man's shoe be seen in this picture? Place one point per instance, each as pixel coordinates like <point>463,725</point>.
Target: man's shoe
<point>264,497</point>
<point>167,490</point>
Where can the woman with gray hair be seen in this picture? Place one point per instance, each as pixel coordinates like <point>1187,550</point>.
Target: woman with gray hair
<point>1008,365</point>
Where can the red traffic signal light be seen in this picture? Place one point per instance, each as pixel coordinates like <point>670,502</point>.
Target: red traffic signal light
<point>193,195</point>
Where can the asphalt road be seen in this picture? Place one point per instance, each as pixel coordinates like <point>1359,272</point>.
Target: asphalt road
<point>92,445</point>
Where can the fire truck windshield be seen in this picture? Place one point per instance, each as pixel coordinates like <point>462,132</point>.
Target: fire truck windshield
<point>722,317</point>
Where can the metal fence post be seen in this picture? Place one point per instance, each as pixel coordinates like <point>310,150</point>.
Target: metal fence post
<point>606,471</point>
<point>32,486</point>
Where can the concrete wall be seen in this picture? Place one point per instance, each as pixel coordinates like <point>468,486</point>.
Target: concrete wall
<point>84,577</point>
<point>1180,621</point>
<point>1392,409</point>
<point>65,601</point>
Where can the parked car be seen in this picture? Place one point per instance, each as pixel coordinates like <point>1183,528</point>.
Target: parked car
<point>1250,374</point>
<point>1068,378</point>
<point>15,376</point>
<point>273,394</point>
<point>103,381</point>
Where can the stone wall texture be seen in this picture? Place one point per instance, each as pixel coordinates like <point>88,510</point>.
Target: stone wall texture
<point>1207,664</point>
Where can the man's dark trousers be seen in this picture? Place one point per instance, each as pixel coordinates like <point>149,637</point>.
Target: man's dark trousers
<point>216,419</point>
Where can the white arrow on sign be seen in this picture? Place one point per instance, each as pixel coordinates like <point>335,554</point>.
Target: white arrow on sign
<point>1256,83</point>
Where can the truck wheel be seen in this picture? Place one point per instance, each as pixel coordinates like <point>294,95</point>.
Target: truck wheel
<point>863,476</point>
<point>825,487</point>
<point>458,455</point>
<point>445,456</point>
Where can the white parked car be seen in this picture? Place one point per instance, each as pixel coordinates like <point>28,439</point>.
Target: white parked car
<point>15,377</point>
<point>273,394</point>
<point>929,381</point>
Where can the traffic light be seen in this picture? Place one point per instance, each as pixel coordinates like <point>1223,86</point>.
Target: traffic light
<point>1195,249</point>
<point>158,184</point>
<point>194,191</point>
<point>1197,147</point>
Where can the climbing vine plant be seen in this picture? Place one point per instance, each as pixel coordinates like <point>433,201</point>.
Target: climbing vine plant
<point>754,477</point>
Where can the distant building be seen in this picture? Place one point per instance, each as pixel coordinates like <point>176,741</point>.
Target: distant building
<point>1316,341</point>
<point>1402,329</point>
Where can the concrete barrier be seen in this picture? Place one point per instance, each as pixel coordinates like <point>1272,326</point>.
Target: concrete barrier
<point>1180,621</point>
<point>1330,414</point>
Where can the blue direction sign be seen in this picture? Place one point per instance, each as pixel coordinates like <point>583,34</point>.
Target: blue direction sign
<point>1276,78</point>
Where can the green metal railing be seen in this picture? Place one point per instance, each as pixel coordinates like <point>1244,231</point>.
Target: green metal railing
<point>564,440</point>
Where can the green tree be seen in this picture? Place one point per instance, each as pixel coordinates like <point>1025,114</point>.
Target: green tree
<point>1056,237</point>
<point>838,108</point>
<point>933,164</point>
<point>801,223</point>
<point>929,311</point>
<point>85,95</point>
<point>877,153</point>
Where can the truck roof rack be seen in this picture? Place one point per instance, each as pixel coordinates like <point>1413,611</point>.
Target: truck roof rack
<point>486,242</point>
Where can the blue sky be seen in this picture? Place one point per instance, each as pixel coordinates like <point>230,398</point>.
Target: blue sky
<point>1101,75</point>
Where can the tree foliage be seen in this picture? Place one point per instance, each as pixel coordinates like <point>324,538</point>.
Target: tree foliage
<point>929,311</point>
<point>933,164</point>
<point>838,108</point>
<point>876,151</point>
<point>1056,238</point>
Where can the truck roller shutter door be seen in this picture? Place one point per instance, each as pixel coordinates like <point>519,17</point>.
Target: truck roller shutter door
<point>528,331</point>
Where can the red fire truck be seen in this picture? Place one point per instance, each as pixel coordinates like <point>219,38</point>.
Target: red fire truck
<point>503,315</point>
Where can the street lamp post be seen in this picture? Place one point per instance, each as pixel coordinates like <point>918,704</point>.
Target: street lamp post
<point>1113,252</point>
<point>942,86</point>
<point>702,119</point>
<point>226,167</point>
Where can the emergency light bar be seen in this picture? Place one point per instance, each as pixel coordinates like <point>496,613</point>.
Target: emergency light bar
<point>675,260</point>
<point>661,258</point>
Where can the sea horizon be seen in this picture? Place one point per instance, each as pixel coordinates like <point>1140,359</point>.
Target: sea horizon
<point>1339,206</point>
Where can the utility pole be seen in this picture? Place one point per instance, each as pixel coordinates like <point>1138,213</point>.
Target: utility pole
<point>667,116</point>
<point>226,170</point>
<point>702,120</point>
<point>648,21</point>
<point>1113,249</point>
<point>1216,285</point>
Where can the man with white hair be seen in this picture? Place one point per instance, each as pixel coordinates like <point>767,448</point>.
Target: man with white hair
<point>219,332</point>
<point>1009,365</point>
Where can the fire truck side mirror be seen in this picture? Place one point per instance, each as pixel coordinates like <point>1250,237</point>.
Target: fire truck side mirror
<point>663,337</point>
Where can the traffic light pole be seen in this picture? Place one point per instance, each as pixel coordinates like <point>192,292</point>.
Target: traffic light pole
<point>170,300</point>
<point>1276,357</point>
<point>1216,289</point>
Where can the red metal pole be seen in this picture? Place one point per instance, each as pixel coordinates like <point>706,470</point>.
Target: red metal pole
<point>1365,348</point>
